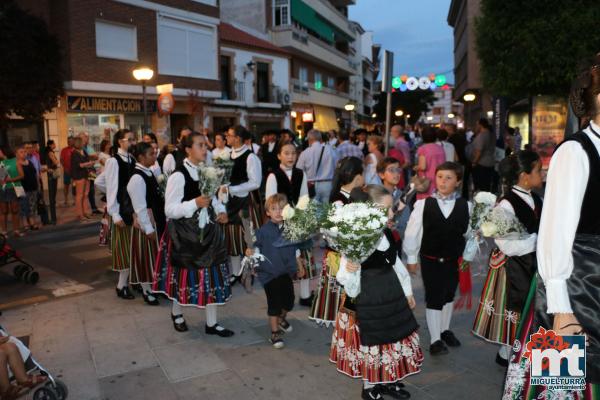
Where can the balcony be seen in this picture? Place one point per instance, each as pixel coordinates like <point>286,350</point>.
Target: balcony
<point>342,3</point>
<point>242,98</point>
<point>328,12</point>
<point>305,92</point>
<point>319,52</point>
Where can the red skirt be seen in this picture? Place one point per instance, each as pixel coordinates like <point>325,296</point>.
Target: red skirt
<point>143,257</point>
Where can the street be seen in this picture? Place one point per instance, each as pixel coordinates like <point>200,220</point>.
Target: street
<point>107,348</point>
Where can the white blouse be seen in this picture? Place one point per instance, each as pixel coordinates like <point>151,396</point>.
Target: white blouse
<point>111,177</point>
<point>370,174</point>
<point>565,188</point>
<point>175,208</point>
<point>254,169</point>
<point>137,192</point>
<point>525,245</point>
<point>271,185</point>
<point>351,280</point>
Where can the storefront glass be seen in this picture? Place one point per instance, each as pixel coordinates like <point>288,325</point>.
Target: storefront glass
<point>98,126</point>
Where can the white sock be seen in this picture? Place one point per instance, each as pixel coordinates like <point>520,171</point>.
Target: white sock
<point>236,265</point>
<point>447,315</point>
<point>211,315</point>
<point>176,310</point>
<point>304,288</point>
<point>504,352</point>
<point>123,278</point>
<point>434,323</point>
<point>146,289</point>
<point>367,385</point>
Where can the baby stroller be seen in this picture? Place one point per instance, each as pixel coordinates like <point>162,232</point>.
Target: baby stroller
<point>50,389</point>
<point>22,270</point>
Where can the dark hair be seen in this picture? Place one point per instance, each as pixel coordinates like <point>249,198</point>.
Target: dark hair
<point>49,143</point>
<point>518,162</point>
<point>184,128</point>
<point>188,141</point>
<point>429,135</point>
<point>343,135</point>
<point>241,132</point>
<point>384,163</point>
<point>103,144</point>
<point>120,134</point>
<point>219,134</point>
<point>484,123</point>
<point>152,137</point>
<point>442,134</point>
<point>141,149</point>
<point>347,169</point>
<point>8,151</point>
<point>280,146</point>
<point>586,88</point>
<point>451,166</point>
<point>360,131</point>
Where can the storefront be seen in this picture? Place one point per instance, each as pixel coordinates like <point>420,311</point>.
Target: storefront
<point>307,116</point>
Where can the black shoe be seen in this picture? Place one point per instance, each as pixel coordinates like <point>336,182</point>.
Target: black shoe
<point>276,340</point>
<point>395,390</point>
<point>449,338</point>
<point>501,361</point>
<point>150,302</point>
<point>137,287</point>
<point>182,327</point>
<point>234,279</point>
<point>307,302</point>
<point>212,330</point>
<point>438,348</point>
<point>125,293</point>
<point>373,393</point>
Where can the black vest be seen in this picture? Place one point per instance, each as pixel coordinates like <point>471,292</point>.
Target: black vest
<point>589,220</point>
<point>239,172</point>
<point>290,188</point>
<point>444,237</point>
<point>381,307</point>
<point>528,217</point>
<point>125,171</point>
<point>270,163</point>
<point>154,200</point>
<point>339,196</point>
<point>191,190</point>
<point>179,156</point>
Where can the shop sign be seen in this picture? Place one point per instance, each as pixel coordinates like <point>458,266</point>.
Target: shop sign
<point>107,105</point>
<point>548,125</point>
<point>165,103</point>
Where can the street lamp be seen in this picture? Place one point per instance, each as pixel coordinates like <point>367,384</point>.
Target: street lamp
<point>399,113</point>
<point>374,115</point>
<point>349,107</point>
<point>143,74</point>
<point>468,97</point>
<point>451,115</point>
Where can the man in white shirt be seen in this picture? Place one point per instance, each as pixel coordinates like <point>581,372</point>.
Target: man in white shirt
<point>318,163</point>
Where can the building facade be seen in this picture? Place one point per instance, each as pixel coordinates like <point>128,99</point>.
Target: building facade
<point>444,110</point>
<point>362,84</point>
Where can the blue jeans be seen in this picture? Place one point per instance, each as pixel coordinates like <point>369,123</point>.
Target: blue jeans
<point>323,190</point>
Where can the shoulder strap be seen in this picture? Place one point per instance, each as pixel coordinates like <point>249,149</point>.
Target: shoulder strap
<point>320,158</point>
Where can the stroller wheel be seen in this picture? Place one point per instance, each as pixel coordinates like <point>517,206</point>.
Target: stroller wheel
<point>19,270</point>
<point>31,277</point>
<point>45,393</point>
<point>59,388</point>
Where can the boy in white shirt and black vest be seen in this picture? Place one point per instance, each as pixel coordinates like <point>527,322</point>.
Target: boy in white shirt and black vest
<point>435,234</point>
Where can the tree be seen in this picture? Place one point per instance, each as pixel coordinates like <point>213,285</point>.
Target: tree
<point>535,46</point>
<point>30,73</point>
<point>410,102</point>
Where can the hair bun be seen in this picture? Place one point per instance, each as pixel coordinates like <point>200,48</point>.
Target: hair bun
<point>577,102</point>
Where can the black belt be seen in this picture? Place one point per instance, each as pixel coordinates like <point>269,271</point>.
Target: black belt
<point>440,259</point>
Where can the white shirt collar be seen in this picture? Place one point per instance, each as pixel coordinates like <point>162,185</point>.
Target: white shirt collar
<point>241,149</point>
<point>147,171</point>
<point>123,153</point>
<point>519,189</point>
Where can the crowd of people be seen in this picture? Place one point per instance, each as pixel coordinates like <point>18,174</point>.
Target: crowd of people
<point>154,198</point>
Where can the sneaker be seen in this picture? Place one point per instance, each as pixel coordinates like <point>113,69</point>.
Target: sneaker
<point>373,393</point>
<point>276,340</point>
<point>449,338</point>
<point>395,390</point>
<point>285,326</point>
<point>438,348</point>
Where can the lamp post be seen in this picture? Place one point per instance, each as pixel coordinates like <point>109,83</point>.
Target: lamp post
<point>143,74</point>
<point>350,107</point>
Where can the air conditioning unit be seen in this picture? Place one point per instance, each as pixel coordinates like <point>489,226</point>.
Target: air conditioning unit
<point>285,98</point>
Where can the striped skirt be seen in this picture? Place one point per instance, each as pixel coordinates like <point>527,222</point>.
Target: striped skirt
<point>327,301</point>
<point>516,385</point>
<point>143,257</point>
<point>234,239</point>
<point>310,265</point>
<point>120,246</point>
<point>386,363</point>
<point>493,322</point>
<point>189,287</point>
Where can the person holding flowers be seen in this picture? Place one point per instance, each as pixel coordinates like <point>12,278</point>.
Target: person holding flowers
<point>348,176</point>
<point>291,181</point>
<point>513,263</point>
<point>375,336</point>
<point>191,267</point>
<point>436,234</point>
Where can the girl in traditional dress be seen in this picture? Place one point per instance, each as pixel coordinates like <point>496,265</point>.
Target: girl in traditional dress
<point>291,181</point>
<point>513,263</point>
<point>149,220</point>
<point>375,336</point>
<point>348,176</point>
<point>191,267</point>
<point>117,172</point>
<point>565,296</point>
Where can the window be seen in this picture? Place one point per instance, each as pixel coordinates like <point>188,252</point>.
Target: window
<point>281,12</point>
<point>226,78</point>
<point>262,82</point>
<point>116,41</point>
<point>330,82</point>
<point>318,81</point>
<point>186,49</point>
<point>303,76</point>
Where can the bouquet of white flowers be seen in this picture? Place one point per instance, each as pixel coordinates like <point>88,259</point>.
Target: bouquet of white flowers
<point>500,224</point>
<point>484,203</point>
<point>224,162</point>
<point>210,180</point>
<point>354,230</point>
<point>301,222</point>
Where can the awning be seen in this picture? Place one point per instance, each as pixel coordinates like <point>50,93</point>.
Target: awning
<point>325,119</point>
<point>308,17</point>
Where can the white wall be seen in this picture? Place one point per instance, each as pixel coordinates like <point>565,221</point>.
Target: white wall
<point>366,45</point>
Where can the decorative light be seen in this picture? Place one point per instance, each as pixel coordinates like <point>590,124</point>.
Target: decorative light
<point>403,87</point>
<point>399,113</point>
<point>430,118</point>
<point>469,97</point>
<point>396,82</point>
<point>143,73</point>
<point>433,86</point>
<point>451,115</point>
<point>407,115</point>
<point>308,117</point>
<point>374,115</point>
<point>440,80</point>
<point>490,114</point>
<point>412,83</point>
<point>349,107</point>
<point>424,83</point>
<point>294,114</point>
<point>404,78</point>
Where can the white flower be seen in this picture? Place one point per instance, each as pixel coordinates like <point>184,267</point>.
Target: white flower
<point>341,342</point>
<point>303,203</point>
<point>488,229</point>
<point>288,212</point>
<point>486,198</point>
<point>224,155</point>
<point>210,172</point>
<point>161,178</point>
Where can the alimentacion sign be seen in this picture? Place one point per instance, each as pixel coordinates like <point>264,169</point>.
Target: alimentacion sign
<point>107,104</point>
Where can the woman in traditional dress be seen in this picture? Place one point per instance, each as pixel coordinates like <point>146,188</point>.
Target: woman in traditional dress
<point>566,296</point>
<point>513,263</point>
<point>149,220</point>
<point>191,267</point>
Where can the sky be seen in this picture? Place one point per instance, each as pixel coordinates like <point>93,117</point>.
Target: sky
<point>416,32</point>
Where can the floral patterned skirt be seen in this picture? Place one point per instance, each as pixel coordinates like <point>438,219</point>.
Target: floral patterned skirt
<point>311,266</point>
<point>386,363</point>
<point>120,246</point>
<point>189,287</point>
<point>516,385</point>
<point>493,322</point>
<point>143,257</point>
<point>327,300</point>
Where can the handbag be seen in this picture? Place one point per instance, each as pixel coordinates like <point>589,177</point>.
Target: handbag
<point>19,191</point>
<point>312,191</point>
